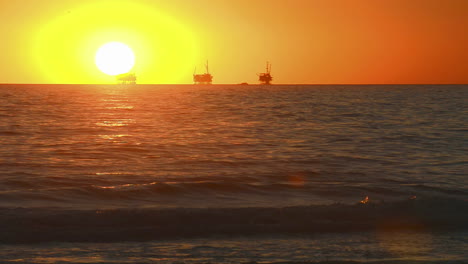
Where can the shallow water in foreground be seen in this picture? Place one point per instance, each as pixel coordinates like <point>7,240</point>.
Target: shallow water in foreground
<point>390,248</point>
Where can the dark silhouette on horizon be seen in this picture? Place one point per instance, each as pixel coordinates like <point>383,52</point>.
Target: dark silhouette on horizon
<point>205,78</point>
<point>265,78</point>
<point>126,78</point>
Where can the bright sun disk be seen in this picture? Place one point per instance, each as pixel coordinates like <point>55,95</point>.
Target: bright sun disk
<point>115,58</point>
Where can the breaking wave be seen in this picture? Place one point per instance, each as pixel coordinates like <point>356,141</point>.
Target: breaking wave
<point>26,225</point>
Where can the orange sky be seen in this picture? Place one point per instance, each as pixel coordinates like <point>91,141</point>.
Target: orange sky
<point>307,41</point>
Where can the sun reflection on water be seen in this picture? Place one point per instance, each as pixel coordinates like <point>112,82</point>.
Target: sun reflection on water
<point>114,110</point>
<point>113,137</point>
<point>406,245</point>
<point>115,123</point>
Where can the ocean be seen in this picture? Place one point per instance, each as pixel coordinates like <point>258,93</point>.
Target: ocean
<point>233,174</point>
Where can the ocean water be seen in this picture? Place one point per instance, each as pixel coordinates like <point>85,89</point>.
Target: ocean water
<point>230,173</point>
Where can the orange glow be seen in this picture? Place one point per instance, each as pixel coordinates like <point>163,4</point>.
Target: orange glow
<point>297,179</point>
<point>307,41</point>
<point>406,245</point>
<point>365,200</point>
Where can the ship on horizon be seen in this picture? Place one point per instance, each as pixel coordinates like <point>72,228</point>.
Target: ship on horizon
<point>205,78</point>
<point>265,77</point>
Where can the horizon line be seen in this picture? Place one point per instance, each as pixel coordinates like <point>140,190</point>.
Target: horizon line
<point>237,84</point>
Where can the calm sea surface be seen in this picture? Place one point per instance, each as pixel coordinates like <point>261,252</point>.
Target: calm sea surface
<point>72,150</point>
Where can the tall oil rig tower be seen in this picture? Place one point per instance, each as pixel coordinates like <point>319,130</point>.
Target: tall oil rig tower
<point>205,78</point>
<point>265,78</point>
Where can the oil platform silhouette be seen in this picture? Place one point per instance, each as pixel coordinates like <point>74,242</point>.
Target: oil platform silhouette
<point>265,78</point>
<point>205,78</point>
<point>126,78</point>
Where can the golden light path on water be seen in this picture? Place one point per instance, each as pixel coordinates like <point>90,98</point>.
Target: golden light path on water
<point>64,49</point>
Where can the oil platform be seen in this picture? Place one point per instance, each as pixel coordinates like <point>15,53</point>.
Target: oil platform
<point>205,78</point>
<point>265,78</point>
<point>126,78</point>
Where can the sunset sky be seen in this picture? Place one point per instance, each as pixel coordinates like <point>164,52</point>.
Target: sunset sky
<point>307,41</point>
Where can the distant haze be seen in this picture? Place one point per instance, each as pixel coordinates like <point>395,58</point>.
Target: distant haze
<point>307,41</point>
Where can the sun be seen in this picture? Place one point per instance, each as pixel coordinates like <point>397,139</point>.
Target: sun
<point>115,58</point>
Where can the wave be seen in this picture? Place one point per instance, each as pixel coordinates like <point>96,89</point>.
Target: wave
<point>23,225</point>
<point>136,190</point>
